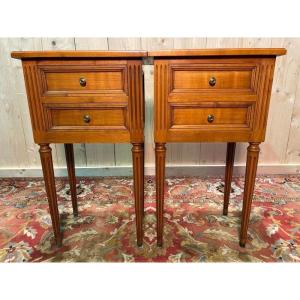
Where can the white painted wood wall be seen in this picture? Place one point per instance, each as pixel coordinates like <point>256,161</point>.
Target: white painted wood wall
<point>18,151</point>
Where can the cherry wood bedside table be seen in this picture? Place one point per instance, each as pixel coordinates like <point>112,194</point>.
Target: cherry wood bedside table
<point>86,97</point>
<point>212,95</point>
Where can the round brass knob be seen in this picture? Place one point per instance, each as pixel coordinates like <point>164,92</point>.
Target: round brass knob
<point>210,118</point>
<point>86,119</point>
<point>82,81</point>
<point>212,81</point>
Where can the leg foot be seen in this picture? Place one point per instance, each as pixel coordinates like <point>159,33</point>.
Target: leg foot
<point>243,244</point>
<point>59,244</point>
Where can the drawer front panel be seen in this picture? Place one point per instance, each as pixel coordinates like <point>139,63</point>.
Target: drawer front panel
<point>83,81</point>
<point>88,118</point>
<point>212,79</point>
<point>213,116</point>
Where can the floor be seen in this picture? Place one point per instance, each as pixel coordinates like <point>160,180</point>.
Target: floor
<point>195,230</point>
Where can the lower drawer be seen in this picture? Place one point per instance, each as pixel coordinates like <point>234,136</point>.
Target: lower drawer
<point>213,115</point>
<point>86,118</point>
<point>209,122</point>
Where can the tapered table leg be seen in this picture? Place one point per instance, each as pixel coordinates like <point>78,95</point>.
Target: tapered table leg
<point>138,186</point>
<point>72,178</point>
<point>228,175</point>
<point>143,181</point>
<point>251,168</point>
<point>47,166</point>
<point>160,161</point>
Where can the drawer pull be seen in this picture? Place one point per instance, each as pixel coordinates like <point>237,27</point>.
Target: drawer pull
<point>212,81</point>
<point>86,119</point>
<point>82,81</point>
<point>210,118</point>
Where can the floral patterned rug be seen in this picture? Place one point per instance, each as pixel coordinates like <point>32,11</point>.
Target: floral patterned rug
<point>195,229</point>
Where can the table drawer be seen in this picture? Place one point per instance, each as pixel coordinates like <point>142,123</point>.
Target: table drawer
<point>86,118</point>
<point>214,77</point>
<point>211,115</point>
<point>83,80</point>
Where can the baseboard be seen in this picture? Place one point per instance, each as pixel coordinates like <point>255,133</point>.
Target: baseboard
<point>62,172</point>
<point>195,170</point>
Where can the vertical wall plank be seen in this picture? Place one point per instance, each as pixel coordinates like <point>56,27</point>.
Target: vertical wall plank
<point>293,150</point>
<point>283,125</point>
<point>222,42</point>
<point>157,43</point>
<point>189,43</point>
<point>148,131</point>
<point>124,43</point>
<point>91,43</point>
<point>255,42</point>
<point>97,155</point>
<point>17,146</point>
<point>58,43</point>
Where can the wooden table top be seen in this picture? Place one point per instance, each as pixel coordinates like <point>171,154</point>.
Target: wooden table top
<point>77,54</point>
<point>220,52</point>
<point>156,53</point>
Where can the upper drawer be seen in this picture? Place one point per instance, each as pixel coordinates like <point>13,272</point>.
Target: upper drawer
<point>81,80</point>
<point>218,77</point>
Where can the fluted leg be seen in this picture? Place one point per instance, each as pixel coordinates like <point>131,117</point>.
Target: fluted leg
<point>251,167</point>
<point>138,186</point>
<point>228,175</point>
<point>143,180</point>
<point>160,160</point>
<point>47,165</point>
<point>72,178</point>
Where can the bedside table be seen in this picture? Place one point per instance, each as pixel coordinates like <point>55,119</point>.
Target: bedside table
<point>86,97</point>
<point>212,95</point>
